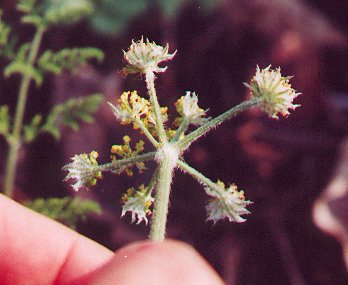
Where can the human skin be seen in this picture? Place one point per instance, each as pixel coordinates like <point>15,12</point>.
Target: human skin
<point>37,250</point>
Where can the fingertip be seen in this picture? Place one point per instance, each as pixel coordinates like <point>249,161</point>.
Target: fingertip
<point>162,263</point>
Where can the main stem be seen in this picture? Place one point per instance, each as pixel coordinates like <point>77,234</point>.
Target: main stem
<point>15,136</point>
<point>165,176</point>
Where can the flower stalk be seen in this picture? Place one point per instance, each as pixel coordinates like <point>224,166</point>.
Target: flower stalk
<point>181,130</point>
<point>150,84</point>
<point>15,136</point>
<point>212,124</point>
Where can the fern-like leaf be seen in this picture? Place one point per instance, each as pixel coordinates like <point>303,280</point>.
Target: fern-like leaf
<point>67,210</point>
<point>4,32</point>
<point>26,6</point>
<point>20,66</point>
<point>32,129</point>
<point>24,68</point>
<point>68,59</point>
<point>33,19</point>
<point>70,113</point>
<point>67,11</point>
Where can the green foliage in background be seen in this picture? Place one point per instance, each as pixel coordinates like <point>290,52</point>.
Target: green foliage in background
<point>30,64</point>
<point>113,17</point>
<point>68,59</point>
<point>70,113</point>
<point>68,210</point>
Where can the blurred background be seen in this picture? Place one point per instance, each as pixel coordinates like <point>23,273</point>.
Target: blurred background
<point>295,170</point>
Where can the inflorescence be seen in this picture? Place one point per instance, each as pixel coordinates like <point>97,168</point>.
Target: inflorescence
<point>270,91</point>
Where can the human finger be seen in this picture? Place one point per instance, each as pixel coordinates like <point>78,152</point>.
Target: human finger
<point>37,250</point>
<point>157,263</point>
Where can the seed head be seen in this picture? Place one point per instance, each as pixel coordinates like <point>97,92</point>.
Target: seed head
<point>138,202</point>
<point>226,203</point>
<point>84,170</point>
<point>187,107</point>
<point>275,91</point>
<point>143,57</point>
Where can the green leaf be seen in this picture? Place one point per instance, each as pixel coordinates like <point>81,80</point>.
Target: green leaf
<point>33,19</point>
<point>20,66</point>
<point>32,130</point>
<point>26,6</point>
<point>70,113</point>
<point>8,50</point>
<point>4,120</point>
<point>24,68</point>
<point>4,32</point>
<point>67,11</point>
<point>23,52</point>
<point>68,59</point>
<point>68,210</point>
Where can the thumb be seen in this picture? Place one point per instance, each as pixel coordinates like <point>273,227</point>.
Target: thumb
<point>166,263</point>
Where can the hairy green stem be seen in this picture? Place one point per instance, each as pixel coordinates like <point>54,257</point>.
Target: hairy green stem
<point>150,84</point>
<point>167,163</point>
<point>208,126</point>
<point>141,125</point>
<point>214,190</point>
<point>197,175</point>
<point>181,130</point>
<point>211,188</point>
<point>153,182</point>
<point>126,162</point>
<point>146,132</point>
<point>15,136</point>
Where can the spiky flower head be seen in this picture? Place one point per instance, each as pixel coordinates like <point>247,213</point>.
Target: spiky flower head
<point>226,203</point>
<point>187,107</point>
<point>143,57</point>
<point>84,170</point>
<point>138,202</point>
<point>275,91</point>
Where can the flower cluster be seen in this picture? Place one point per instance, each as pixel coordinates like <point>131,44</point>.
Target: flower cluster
<point>270,91</point>
<point>143,57</point>
<point>275,91</point>
<point>226,203</point>
<point>130,106</point>
<point>84,170</point>
<point>136,110</point>
<point>138,202</point>
<point>125,151</point>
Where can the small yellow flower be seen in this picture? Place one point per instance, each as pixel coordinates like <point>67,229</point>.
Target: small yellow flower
<point>130,106</point>
<point>143,57</point>
<point>125,151</point>
<point>275,91</point>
